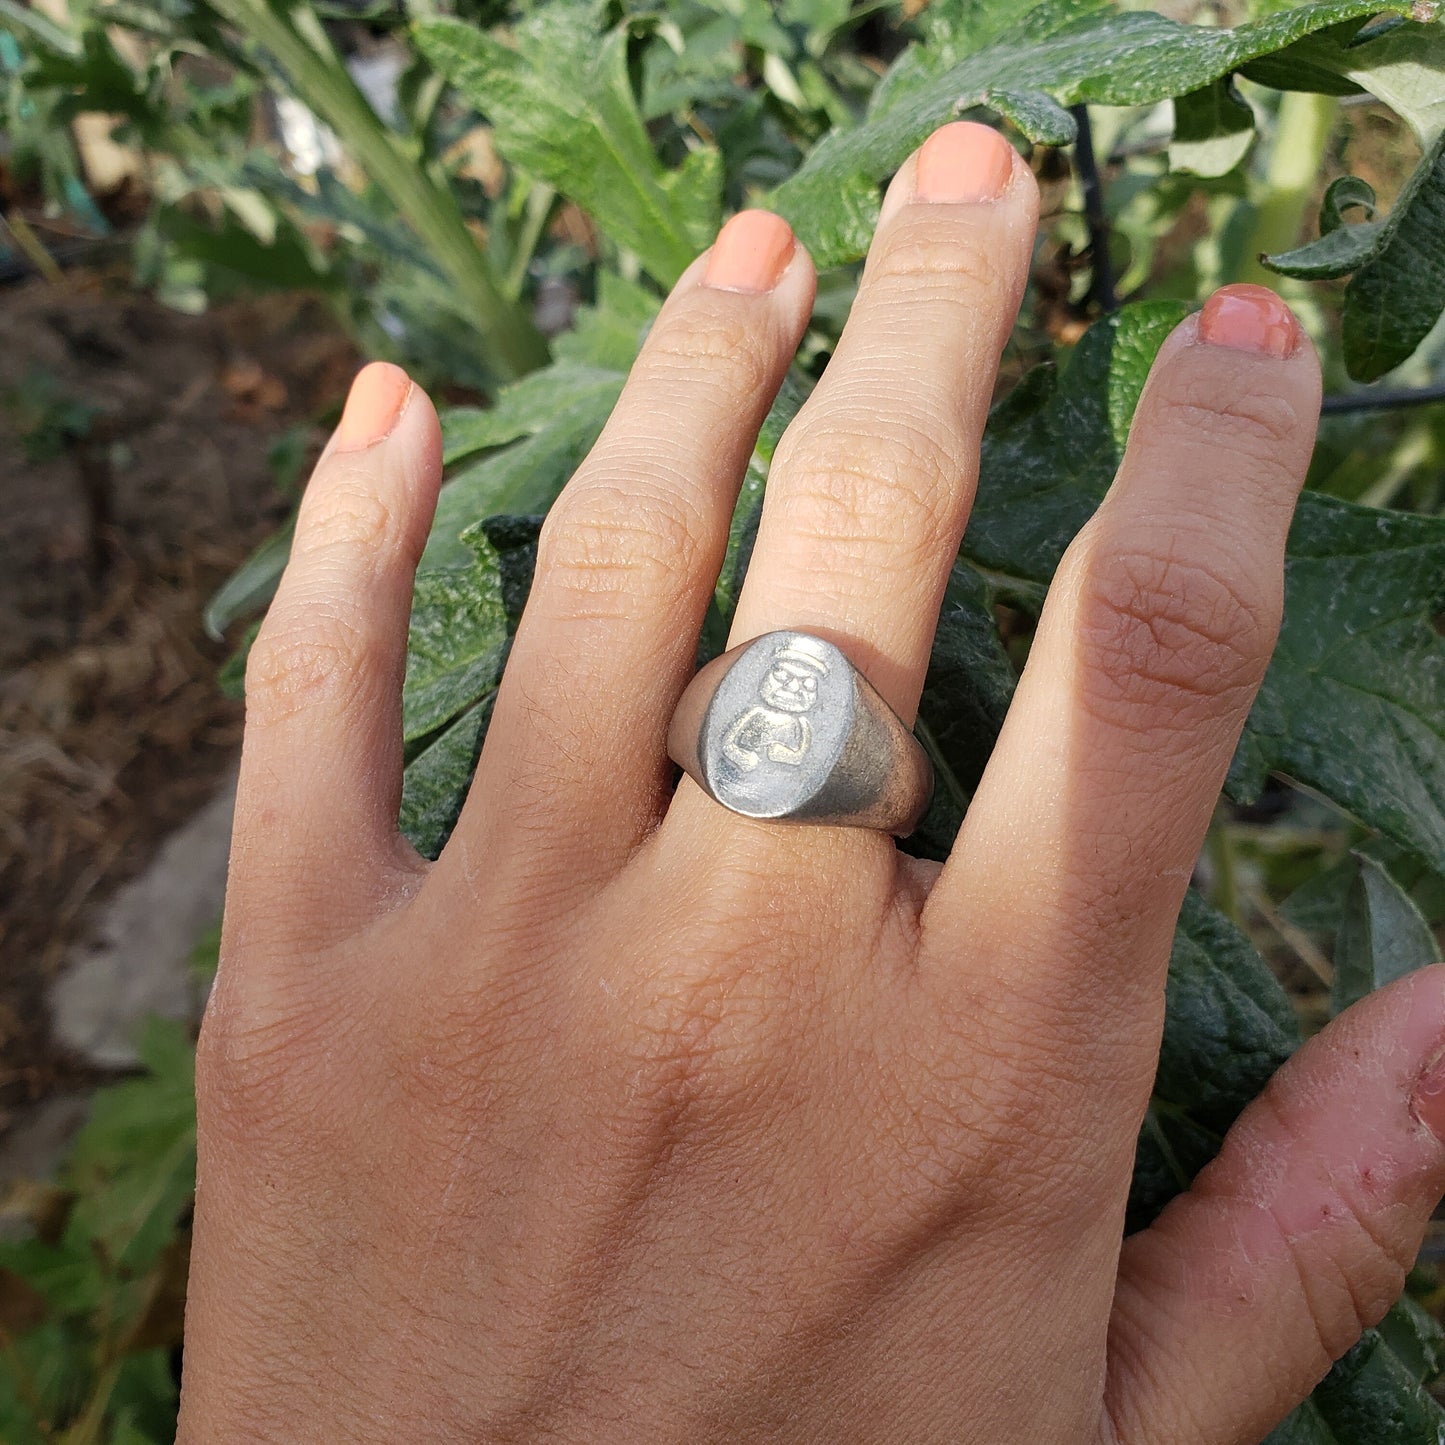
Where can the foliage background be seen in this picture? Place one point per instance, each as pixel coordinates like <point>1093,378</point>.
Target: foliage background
<point>505,213</point>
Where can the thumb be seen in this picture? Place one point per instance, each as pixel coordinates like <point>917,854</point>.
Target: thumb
<point>1237,1300</point>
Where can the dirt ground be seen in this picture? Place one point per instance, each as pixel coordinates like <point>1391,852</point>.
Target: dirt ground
<point>136,472</point>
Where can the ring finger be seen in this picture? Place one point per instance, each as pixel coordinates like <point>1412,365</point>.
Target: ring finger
<point>871,486</point>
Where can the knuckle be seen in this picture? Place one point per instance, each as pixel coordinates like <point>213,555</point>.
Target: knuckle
<point>898,495</point>
<point>1220,406</point>
<point>299,662</point>
<point>348,512</point>
<point>1353,1286</point>
<point>930,260</point>
<point>716,353</point>
<point>1349,1247</point>
<point>1171,637</point>
<point>712,1034</point>
<point>608,539</point>
<point>252,1050</point>
<point>675,1026</point>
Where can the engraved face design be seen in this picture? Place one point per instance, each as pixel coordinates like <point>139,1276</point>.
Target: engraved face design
<point>789,687</point>
<point>777,723</point>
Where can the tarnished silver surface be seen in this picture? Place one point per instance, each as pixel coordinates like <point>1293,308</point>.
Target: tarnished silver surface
<point>785,727</point>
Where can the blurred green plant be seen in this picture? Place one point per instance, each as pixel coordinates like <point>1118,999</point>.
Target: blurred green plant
<point>1173,158</point>
<point>91,1302</point>
<point>48,420</point>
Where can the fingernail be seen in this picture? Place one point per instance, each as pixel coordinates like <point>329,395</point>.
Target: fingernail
<point>751,253</point>
<point>1249,318</point>
<point>1427,1103</point>
<point>373,405</point>
<point>962,162</point>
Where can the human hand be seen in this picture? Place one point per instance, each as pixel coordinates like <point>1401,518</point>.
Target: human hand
<point>631,1119</point>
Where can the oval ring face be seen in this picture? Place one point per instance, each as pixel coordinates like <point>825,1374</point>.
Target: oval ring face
<point>776,725</point>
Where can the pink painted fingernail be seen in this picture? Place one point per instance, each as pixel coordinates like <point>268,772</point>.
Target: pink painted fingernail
<point>373,405</point>
<point>751,253</point>
<point>963,162</point>
<point>1427,1103</point>
<point>1249,318</point>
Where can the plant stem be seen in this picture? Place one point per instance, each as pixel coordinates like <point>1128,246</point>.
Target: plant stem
<point>944,773</point>
<point>1301,130</point>
<point>322,82</point>
<point>1101,284</point>
<point>88,1429</point>
<point>1221,855</point>
<point>1390,400</point>
<point>34,252</point>
<point>538,208</point>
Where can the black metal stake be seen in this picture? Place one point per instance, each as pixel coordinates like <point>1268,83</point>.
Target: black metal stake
<point>1101,286</point>
<point>1382,400</point>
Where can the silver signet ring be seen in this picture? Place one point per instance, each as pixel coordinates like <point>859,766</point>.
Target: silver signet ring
<point>785,727</point>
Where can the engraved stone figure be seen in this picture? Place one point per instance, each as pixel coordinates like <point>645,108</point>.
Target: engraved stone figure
<point>775,728</point>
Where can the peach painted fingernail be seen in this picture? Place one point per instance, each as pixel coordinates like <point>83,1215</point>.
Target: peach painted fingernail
<point>373,405</point>
<point>962,162</point>
<point>1249,318</point>
<point>751,253</point>
<point>1427,1103</point>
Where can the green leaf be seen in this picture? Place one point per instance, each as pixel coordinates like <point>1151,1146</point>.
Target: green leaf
<point>514,541</point>
<point>143,1401</point>
<point>1304,66</point>
<point>231,675</point>
<point>1341,247</point>
<point>1370,1395</point>
<point>1213,130</point>
<point>69,1275</point>
<point>969,686</point>
<point>592,361</point>
<point>523,477</point>
<point>1416,1338</point>
<point>1228,1023</point>
<point>252,585</point>
<point>1053,444</point>
<point>557,412</point>
<point>1398,291</point>
<point>133,1164</point>
<point>22,20</point>
<point>1402,66</point>
<point>1228,1026</point>
<point>1382,936</point>
<point>435,783</point>
<point>526,407</point>
<point>1345,194</point>
<point>1318,904</point>
<point>564,111</point>
<point>609,333</point>
<point>1071,52</point>
<point>1353,704</point>
<point>49,1367</point>
<point>1396,297</point>
<point>456,640</point>
<point>1038,115</point>
<point>956,30</point>
<point>235,259</point>
<point>459,656</point>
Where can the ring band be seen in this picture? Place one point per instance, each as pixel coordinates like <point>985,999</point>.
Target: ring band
<point>785,727</point>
